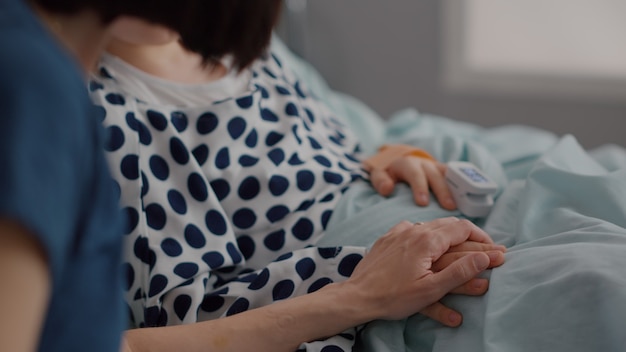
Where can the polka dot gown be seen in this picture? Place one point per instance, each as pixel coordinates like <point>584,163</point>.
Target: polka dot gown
<point>225,201</point>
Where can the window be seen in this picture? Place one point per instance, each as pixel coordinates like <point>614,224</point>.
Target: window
<point>569,48</point>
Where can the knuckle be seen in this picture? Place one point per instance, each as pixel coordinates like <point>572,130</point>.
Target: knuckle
<point>405,223</point>
<point>377,175</point>
<point>385,237</point>
<point>428,236</point>
<point>466,223</point>
<point>400,227</point>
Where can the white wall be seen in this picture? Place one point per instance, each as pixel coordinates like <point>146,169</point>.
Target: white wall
<point>391,54</point>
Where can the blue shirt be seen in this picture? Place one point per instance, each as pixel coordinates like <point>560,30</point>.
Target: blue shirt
<point>55,181</point>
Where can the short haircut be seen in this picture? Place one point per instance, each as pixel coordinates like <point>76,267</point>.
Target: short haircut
<point>240,28</point>
<point>171,13</point>
<point>211,28</point>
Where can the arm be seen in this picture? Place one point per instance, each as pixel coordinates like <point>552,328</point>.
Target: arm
<point>394,280</point>
<point>25,288</point>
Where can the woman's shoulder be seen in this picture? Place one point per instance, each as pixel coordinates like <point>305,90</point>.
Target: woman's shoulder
<point>37,66</point>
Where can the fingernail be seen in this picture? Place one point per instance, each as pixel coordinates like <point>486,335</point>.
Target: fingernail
<point>454,318</point>
<point>493,256</point>
<point>478,284</point>
<point>422,198</point>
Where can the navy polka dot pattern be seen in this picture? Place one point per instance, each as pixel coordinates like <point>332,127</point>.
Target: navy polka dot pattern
<point>225,201</point>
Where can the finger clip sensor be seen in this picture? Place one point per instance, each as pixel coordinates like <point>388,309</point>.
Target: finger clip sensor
<point>471,189</point>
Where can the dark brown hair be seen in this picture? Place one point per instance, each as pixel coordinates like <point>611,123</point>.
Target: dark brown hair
<point>241,28</point>
<point>172,13</point>
<point>211,28</point>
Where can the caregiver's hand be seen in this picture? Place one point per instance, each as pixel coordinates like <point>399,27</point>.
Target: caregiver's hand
<point>399,276</point>
<point>421,174</point>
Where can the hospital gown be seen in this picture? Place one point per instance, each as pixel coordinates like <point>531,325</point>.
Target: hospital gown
<point>226,199</point>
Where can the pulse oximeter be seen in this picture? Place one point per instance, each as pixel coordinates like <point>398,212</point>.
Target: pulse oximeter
<point>471,188</point>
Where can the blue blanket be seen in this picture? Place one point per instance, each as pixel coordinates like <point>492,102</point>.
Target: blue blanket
<point>560,210</point>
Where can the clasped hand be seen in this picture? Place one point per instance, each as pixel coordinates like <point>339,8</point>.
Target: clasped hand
<point>411,267</point>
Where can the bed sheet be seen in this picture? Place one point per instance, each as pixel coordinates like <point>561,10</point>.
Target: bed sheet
<point>561,211</point>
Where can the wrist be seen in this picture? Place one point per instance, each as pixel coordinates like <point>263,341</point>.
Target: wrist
<point>353,302</point>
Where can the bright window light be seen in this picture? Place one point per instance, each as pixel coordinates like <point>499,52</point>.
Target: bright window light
<point>559,37</point>
<point>567,48</point>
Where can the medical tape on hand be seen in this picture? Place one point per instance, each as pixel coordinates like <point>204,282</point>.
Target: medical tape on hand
<point>390,152</point>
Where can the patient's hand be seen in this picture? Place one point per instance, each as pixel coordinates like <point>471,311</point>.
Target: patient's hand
<point>474,287</point>
<point>420,174</point>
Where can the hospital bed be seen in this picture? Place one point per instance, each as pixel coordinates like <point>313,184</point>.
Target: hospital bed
<point>560,210</point>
